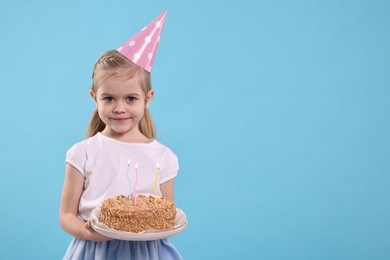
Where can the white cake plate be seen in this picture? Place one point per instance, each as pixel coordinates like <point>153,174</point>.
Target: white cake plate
<point>180,224</point>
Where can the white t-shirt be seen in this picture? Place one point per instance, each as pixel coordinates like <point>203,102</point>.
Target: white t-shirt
<point>103,163</point>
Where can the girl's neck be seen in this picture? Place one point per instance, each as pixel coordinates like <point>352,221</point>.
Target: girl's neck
<point>136,137</point>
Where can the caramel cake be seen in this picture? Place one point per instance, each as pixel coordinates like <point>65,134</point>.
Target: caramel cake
<point>121,213</point>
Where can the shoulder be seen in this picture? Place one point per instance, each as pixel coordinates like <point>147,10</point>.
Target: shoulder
<point>166,154</point>
<point>168,161</point>
<point>83,154</point>
<point>85,145</point>
<point>163,149</point>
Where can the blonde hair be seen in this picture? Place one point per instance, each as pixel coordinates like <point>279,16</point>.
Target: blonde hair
<point>112,64</point>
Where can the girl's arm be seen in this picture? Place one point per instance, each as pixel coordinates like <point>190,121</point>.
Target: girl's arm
<point>167,189</point>
<point>71,193</point>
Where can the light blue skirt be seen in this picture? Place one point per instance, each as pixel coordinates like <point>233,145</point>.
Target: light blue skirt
<point>80,249</point>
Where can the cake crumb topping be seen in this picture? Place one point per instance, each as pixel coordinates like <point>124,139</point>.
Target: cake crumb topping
<point>122,214</point>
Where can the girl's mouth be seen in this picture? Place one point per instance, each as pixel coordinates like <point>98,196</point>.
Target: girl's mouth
<point>120,119</point>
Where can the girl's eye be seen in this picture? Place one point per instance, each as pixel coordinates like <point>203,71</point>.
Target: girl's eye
<point>108,99</point>
<point>131,99</point>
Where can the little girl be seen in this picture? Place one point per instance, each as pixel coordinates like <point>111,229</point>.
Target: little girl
<point>120,128</point>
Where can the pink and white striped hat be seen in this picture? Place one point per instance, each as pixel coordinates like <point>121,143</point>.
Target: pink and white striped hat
<point>141,48</point>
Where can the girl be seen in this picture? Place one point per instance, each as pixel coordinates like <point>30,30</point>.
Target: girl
<point>120,128</point>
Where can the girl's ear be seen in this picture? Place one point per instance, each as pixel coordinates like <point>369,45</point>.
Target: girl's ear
<point>149,98</point>
<point>92,94</point>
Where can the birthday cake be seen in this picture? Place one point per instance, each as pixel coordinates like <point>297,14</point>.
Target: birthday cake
<point>138,214</point>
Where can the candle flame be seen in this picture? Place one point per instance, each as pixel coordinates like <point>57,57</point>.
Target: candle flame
<point>128,162</point>
<point>158,165</point>
<point>136,166</point>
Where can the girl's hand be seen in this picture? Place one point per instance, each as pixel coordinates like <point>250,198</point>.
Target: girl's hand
<point>93,235</point>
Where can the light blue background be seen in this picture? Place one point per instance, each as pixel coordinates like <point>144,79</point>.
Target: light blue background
<point>278,111</point>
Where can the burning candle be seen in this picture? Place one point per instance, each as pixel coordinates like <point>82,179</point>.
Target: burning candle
<point>135,184</point>
<point>128,177</point>
<point>155,181</point>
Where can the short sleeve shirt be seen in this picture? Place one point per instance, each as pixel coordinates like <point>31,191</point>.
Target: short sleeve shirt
<point>104,164</point>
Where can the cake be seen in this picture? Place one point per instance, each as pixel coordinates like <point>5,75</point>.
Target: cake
<point>123,214</point>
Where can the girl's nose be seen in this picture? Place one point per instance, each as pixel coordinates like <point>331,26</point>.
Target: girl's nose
<point>119,107</point>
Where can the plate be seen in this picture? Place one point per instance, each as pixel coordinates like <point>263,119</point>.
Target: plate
<point>180,224</point>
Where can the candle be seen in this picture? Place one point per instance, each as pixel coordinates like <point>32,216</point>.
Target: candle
<point>155,181</point>
<point>135,184</point>
<point>128,177</point>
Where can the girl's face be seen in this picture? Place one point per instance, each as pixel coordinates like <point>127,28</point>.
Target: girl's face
<point>121,105</point>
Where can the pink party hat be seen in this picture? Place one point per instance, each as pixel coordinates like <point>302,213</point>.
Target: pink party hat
<point>141,48</point>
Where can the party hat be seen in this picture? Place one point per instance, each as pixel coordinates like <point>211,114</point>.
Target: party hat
<point>141,48</point>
